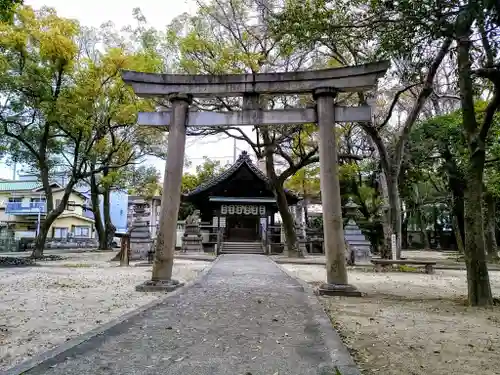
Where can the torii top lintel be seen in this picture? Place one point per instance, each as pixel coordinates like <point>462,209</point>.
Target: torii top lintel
<point>355,78</point>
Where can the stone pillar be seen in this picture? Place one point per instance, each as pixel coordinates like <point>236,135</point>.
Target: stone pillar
<point>299,214</point>
<point>140,234</point>
<point>336,271</point>
<point>300,227</point>
<point>165,244</point>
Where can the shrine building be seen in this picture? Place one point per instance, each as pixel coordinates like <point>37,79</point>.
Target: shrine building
<point>239,202</point>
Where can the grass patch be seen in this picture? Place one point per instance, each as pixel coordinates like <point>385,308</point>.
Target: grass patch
<point>77,265</point>
<point>405,268</point>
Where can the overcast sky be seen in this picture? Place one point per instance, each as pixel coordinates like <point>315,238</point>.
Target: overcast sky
<point>159,14</point>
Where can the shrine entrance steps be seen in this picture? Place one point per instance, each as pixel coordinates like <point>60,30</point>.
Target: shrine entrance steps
<point>242,248</point>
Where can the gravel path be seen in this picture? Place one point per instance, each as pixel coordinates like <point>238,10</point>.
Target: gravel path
<point>246,316</point>
<point>43,306</point>
<point>413,323</point>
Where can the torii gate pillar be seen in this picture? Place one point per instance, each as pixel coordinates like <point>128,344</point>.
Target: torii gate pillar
<point>333,229</point>
<point>161,279</point>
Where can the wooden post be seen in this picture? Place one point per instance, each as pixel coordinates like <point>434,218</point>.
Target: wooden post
<point>334,244</point>
<point>124,250</point>
<point>165,246</point>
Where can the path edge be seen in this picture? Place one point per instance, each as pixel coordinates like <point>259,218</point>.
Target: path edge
<point>331,336</point>
<point>65,348</point>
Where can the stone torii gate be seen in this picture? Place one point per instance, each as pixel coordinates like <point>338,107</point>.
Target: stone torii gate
<point>324,85</point>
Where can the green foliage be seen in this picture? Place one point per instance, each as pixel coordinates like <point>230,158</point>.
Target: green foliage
<point>204,172</point>
<point>436,142</point>
<point>7,9</point>
<point>305,182</point>
<point>143,181</point>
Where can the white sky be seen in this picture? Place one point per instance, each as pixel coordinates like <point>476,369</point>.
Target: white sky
<point>159,14</point>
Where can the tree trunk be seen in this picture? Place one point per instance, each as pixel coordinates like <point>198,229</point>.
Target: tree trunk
<point>404,232</point>
<point>458,235</point>
<point>393,215</point>
<point>385,251</point>
<point>489,226</point>
<point>435,227</point>
<point>96,209</point>
<point>109,228</point>
<point>291,243</point>
<point>456,184</point>
<point>52,214</point>
<point>475,256</point>
<point>292,246</point>
<point>458,213</point>
<point>478,281</point>
<point>422,227</point>
<point>41,238</point>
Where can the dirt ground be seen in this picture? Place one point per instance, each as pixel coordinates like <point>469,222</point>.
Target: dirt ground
<point>413,323</point>
<point>41,307</point>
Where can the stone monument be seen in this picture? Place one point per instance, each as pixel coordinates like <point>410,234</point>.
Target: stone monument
<point>140,235</point>
<point>354,238</point>
<point>192,238</point>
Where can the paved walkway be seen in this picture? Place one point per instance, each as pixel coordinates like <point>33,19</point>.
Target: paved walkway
<point>245,316</point>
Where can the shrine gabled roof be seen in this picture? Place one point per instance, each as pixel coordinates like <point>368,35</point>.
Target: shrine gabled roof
<point>243,159</point>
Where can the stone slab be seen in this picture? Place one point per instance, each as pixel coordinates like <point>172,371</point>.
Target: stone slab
<point>158,286</point>
<point>244,316</point>
<point>345,290</point>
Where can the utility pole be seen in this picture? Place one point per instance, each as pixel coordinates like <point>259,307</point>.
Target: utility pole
<point>234,150</point>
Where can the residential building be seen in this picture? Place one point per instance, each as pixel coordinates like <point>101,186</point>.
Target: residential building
<point>23,209</point>
<point>118,199</point>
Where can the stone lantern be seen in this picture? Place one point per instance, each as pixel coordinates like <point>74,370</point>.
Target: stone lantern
<point>353,235</point>
<point>351,210</point>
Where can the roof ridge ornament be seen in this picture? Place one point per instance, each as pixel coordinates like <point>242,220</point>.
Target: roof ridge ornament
<point>244,156</point>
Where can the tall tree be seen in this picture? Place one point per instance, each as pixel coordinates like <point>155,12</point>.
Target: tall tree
<point>112,109</point>
<point>473,27</point>
<point>38,56</point>
<point>222,38</point>
<point>343,30</point>
<point>48,92</point>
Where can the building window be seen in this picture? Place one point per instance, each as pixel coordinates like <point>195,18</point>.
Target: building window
<point>16,200</point>
<point>71,206</point>
<point>36,200</point>
<point>81,232</point>
<point>60,232</point>
<point>58,202</point>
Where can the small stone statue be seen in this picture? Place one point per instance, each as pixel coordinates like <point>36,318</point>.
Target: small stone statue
<point>192,238</point>
<point>193,218</point>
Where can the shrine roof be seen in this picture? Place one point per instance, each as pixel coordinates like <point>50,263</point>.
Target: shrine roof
<point>243,160</point>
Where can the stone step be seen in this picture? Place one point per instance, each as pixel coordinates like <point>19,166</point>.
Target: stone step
<point>242,248</point>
